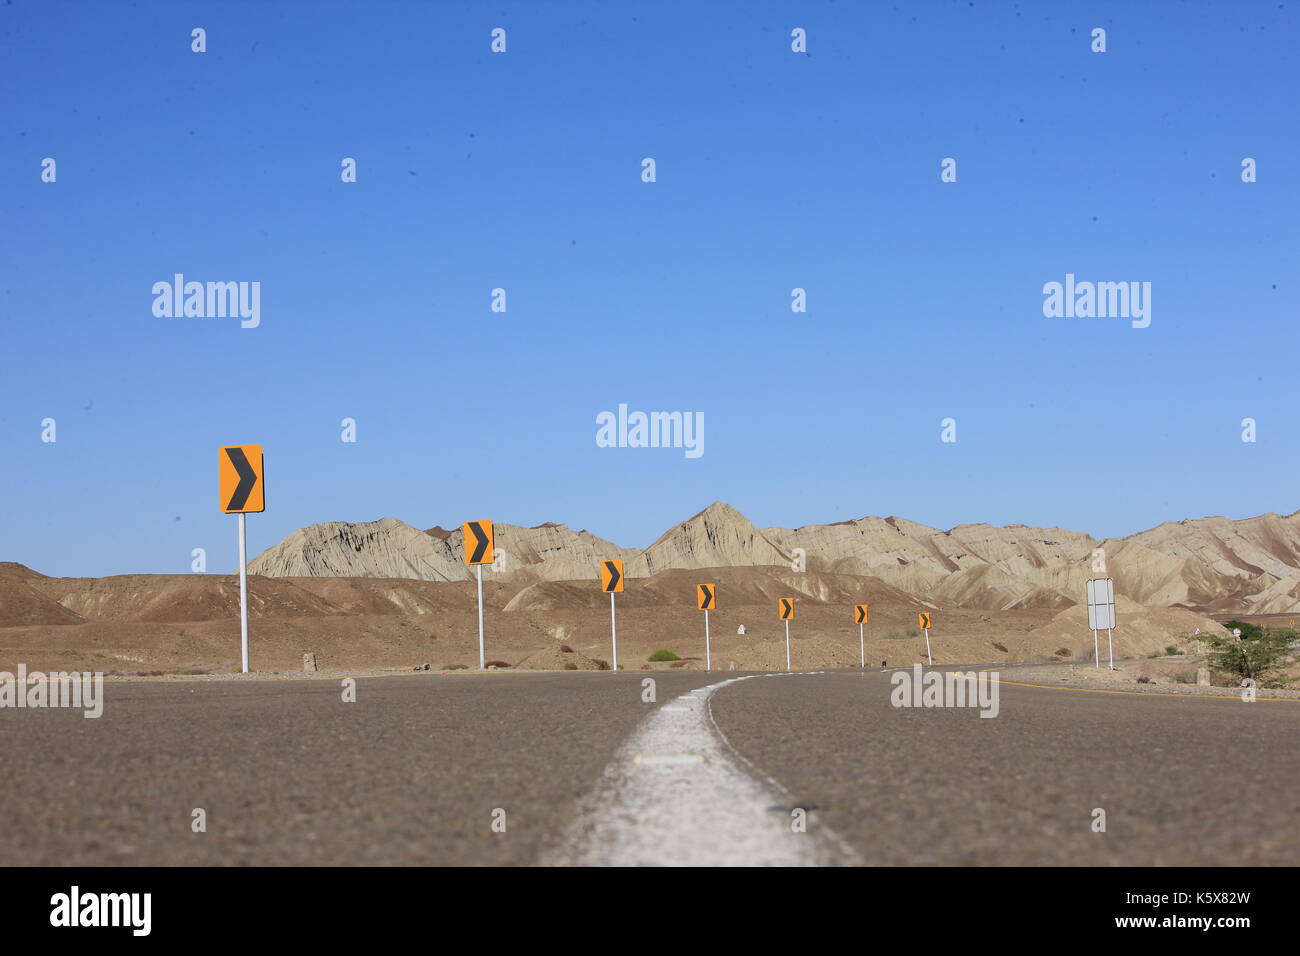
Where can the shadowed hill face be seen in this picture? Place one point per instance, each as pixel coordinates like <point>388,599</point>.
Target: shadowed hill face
<point>178,598</point>
<point>20,572</point>
<point>22,605</point>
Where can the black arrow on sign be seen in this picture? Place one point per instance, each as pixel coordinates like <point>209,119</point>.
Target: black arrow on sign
<point>614,576</point>
<point>480,542</point>
<point>247,479</point>
<point>708,595</point>
<point>862,614</point>
<point>786,608</point>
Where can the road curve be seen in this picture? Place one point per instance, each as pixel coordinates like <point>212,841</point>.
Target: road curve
<point>721,768</point>
<point>1183,780</point>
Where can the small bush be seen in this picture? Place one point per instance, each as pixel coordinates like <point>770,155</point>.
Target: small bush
<point>566,649</point>
<point>496,664</point>
<point>1262,652</point>
<point>455,667</point>
<point>1000,647</point>
<point>1062,652</point>
<point>570,666</point>
<point>1171,650</point>
<point>663,654</point>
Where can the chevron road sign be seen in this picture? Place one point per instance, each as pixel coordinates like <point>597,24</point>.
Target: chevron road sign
<point>611,582</point>
<point>785,611</point>
<point>242,487</point>
<point>478,538</point>
<point>860,615</point>
<point>924,620</point>
<point>478,542</point>
<point>241,490</point>
<point>706,599</point>
<point>611,577</point>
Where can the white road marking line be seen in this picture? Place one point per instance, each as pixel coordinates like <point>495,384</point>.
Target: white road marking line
<point>677,794</point>
<point>669,760</point>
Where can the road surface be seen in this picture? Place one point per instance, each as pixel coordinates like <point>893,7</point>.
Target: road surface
<point>722,768</point>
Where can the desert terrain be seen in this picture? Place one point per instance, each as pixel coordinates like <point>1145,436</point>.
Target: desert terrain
<point>385,595</point>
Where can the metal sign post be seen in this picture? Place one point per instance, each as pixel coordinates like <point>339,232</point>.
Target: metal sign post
<point>243,589</point>
<point>479,540</point>
<point>1101,614</point>
<point>482,657</point>
<point>611,580</point>
<point>785,611</point>
<point>706,598</point>
<point>241,485</point>
<point>860,612</point>
<point>613,630</point>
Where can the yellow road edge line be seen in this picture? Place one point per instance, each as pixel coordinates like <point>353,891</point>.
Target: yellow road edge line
<point>965,675</point>
<point>1141,693</point>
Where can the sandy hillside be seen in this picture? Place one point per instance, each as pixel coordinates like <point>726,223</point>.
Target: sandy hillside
<point>177,623</point>
<point>1209,564</point>
<point>1140,632</point>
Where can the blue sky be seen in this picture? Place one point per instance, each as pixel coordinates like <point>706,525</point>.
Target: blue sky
<point>522,170</point>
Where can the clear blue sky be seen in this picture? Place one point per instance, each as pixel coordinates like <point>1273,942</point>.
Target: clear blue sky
<point>522,170</point>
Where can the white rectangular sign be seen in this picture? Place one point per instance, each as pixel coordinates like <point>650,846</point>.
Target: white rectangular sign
<point>1101,604</point>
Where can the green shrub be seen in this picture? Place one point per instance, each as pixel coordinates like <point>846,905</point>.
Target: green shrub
<point>1260,654</point>
<point>663,654</point>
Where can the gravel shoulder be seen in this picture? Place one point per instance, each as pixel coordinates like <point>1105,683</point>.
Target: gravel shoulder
<point>1163,676</point>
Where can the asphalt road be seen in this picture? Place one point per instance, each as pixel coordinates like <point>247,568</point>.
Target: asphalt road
<point>1183,780</point>
<point>412,771</point>
<point>290,774</point>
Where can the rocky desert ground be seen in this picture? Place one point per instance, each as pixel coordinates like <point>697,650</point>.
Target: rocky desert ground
<point>385,595</point>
